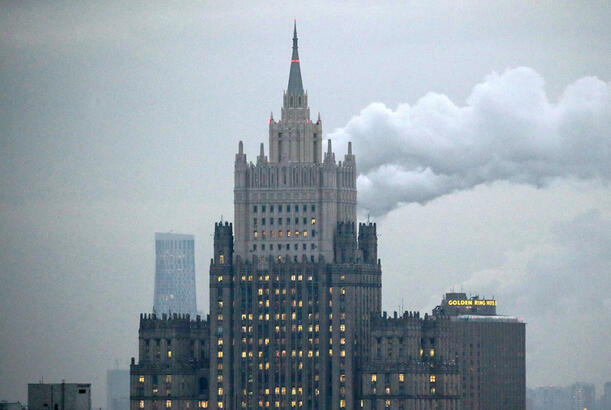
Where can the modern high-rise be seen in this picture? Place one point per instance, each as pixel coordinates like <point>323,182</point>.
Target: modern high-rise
<point>117,389</point>
<point>174,274</point>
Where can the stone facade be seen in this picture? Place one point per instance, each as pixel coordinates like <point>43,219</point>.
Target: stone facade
<point>295,298</point>
<point>172,370</point>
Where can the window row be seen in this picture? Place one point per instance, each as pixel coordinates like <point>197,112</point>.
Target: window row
<point>287,221</point>
<point>279,246</point>
<point>280,208</point>
<point>272,234</point>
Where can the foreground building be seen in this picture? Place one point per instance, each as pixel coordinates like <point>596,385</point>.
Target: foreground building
<point>59,396</point>
<point>295,298</point>
<point>490,351</point>
<point>174,274</point>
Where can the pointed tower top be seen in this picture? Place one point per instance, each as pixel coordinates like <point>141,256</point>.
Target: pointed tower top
<point>295,84</point>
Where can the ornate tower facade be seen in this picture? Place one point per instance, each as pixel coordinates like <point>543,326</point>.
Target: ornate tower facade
<point>290,310</point>
<point>288,204</point>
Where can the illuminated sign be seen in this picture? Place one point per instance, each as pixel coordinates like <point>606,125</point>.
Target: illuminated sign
<point>471,302</point>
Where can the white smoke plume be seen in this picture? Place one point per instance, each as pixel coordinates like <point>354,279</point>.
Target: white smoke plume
<point>508,130</point>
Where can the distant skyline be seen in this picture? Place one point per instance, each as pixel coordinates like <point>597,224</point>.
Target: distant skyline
<point>118,120</point>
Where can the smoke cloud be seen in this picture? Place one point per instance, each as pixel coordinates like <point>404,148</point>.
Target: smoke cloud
<point>508,130</point>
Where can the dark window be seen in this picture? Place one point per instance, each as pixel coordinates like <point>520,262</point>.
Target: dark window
<point>262,246</point>
<point>288,246</point>
<point>304,246</point>
<point>296,208</point>
<point>296,246</point>
<point>279,208</point>
<point>288,221</point>
<point>262,208</point>
<point>254,247</point>
<point>262,221</point>
<point>271,208</point>
<point>271,221</point>
<point>313,208</point>
<point>254,208</point>
<point>82,391</point>
<point>305,221</point>
<point>279,221</point>
<point>305,208</point>
<point>313,233</point>
<point>296,221</point>
<point>288,208</point>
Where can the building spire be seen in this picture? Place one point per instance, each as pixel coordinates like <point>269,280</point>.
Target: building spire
<point>295,84</point>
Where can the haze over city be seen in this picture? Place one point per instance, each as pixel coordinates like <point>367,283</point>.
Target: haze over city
<point>482,136</point>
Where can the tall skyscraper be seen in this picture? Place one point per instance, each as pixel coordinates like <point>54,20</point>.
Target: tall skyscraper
<point>174,274</point>
<point>295,298</point>
<point>290,305</point>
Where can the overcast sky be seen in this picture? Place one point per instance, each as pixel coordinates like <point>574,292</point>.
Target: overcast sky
<point>482,131</point>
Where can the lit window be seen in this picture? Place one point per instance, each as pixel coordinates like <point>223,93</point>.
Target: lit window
<point>255,234</point>
<point>401,377</point>
<point>169,354</point>
<point>220,279</point>
<point>168,378</point>
<point>140,379</point>
<point>374,377</point>
<point>313,221</point>
<point>305,233</point>
<point>432,378</point>
<point>222,259</point>
<point>141,404</point>
<point>168,403</point>
<point>432,352</point>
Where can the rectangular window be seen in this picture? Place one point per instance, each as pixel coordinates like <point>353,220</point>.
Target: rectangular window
<point>262,208</point>
<point>296,221</point>
<point>296,208</point>
<point>271,208</point>
<point>254,208</point>
<point>279,221</point>
<point>313,207</point>
<point>168,404</point>
<point>262,221</point>
<point>279,208</point>
<point>271,221</point>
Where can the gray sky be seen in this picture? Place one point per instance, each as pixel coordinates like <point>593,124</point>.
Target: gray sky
<point>121,119</point>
